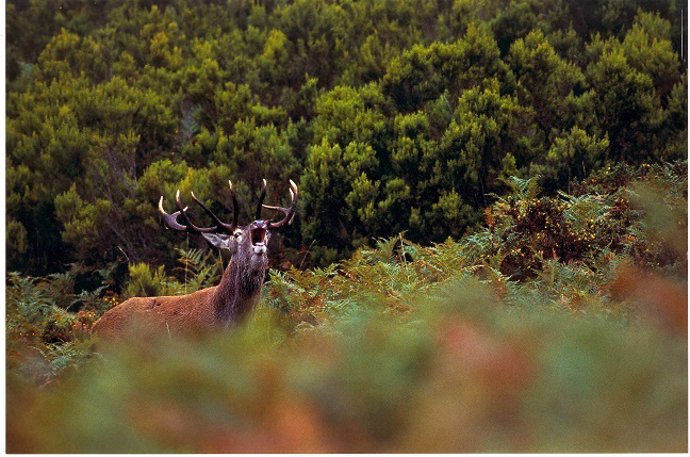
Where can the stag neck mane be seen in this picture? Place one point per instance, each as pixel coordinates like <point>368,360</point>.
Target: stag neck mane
<point>237,293</point>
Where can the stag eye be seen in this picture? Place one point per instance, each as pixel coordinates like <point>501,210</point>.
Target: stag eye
<point>258,236</point>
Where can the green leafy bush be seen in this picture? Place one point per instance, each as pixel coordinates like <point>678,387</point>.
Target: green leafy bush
<point>426,106</point>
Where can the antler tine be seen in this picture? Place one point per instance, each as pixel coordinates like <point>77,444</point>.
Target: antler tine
<point>220,225</point>
<point>261,199</point>
<point>190,226</point>
<point>289,213</point>
<point>235,206</point>
<point>170,220</point>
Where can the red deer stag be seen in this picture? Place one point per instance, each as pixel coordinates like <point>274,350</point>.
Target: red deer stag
<point>223,305</point>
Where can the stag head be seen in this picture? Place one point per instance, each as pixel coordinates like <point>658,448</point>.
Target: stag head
<point>248,244</point>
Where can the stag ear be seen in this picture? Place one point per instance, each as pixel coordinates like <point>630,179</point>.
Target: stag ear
<point>219,240</point>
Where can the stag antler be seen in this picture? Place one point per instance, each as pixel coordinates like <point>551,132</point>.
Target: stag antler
<point>261,199</point>
<point>229,228</point>
<point>289,213</point>
<point>170,220</point>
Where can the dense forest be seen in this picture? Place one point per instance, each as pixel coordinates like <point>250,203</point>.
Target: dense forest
<point>392,116</point>
<point>490,248</point>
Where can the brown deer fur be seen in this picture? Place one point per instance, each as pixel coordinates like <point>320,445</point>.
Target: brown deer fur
<point>200,311</point>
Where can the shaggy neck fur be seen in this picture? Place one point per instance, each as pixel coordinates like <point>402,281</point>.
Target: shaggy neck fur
<point>238,293</point>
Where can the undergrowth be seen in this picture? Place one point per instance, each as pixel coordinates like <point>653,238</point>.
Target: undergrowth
<point>560,326</point>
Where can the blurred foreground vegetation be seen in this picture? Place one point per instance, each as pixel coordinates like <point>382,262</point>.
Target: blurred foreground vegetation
<point>560,325</point>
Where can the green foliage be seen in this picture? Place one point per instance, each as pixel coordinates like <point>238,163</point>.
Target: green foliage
<point>16,241</point>
<point>49,319</point>
<point>196,270</point>
<point>402,347</point>
<point>574,156</point>
<point>423,73</point>
<point>548,83</point>
<point>45,337</point>
<point>431,105</point>
<point>35,306</point>
<point>144,282</point>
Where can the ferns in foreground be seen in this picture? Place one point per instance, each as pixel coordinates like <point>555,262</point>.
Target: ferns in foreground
<point>402,347</point>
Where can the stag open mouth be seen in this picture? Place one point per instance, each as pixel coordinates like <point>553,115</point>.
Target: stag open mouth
<point>258,236</point>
